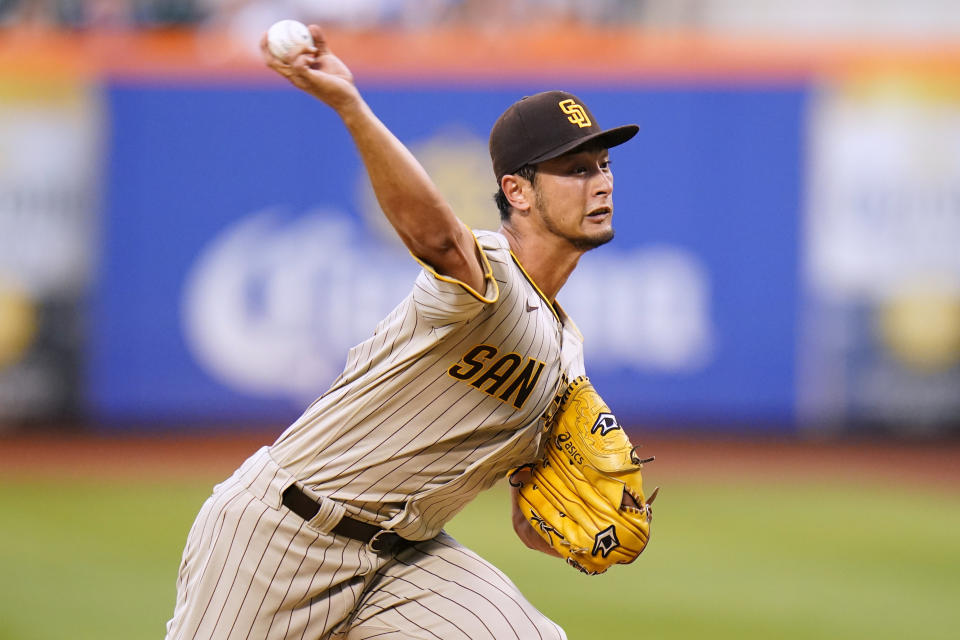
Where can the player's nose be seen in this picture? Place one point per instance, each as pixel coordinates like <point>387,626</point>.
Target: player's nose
<point>603,183</point>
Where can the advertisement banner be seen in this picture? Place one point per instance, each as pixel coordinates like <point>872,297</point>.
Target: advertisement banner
<point>244,252</point>
<point>49,152</point>
<point>881,301</point>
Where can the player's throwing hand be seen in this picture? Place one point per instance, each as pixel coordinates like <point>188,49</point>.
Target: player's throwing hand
<point>315,70</point>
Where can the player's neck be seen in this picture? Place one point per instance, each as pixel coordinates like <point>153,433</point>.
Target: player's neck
<point>548,262</point>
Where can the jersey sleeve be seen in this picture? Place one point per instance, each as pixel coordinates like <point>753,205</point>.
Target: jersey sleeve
<point>442,299</point>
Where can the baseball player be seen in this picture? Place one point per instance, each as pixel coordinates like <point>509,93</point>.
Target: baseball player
<point>336,530</point>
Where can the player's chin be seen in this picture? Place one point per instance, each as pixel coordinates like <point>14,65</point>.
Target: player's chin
<point>595,238</point>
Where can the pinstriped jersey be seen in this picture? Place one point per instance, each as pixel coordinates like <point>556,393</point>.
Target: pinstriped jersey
<point>452,390</point>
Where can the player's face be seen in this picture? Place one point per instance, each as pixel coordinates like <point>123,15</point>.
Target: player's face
<point>574,198</point>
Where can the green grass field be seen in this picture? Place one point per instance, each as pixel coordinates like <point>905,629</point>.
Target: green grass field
<point>736,558</point>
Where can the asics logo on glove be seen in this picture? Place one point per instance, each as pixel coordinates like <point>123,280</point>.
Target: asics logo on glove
<point>564,444</point>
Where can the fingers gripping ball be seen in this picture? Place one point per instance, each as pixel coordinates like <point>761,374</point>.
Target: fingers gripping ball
<point>585,495</point>
<point>287,38</point>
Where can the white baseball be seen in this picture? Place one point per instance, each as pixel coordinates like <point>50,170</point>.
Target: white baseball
<point>288,37</point>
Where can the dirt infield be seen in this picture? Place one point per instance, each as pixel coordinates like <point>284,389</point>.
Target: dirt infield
<point>215,456</point>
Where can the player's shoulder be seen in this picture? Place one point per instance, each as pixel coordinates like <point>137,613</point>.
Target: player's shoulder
<point>502,265</point>
<point>496,252</point>
<point>491,239</point>
<point>494,245</point>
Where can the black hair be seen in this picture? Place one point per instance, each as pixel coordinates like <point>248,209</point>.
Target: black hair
<point>527,172</point>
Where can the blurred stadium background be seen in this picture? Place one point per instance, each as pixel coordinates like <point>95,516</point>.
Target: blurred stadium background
<point>188,247</point>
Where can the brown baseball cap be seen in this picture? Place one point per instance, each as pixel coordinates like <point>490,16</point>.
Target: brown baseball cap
<point>544,126</point>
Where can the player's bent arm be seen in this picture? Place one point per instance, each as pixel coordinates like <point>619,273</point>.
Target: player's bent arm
<point>411,202</point>
<point>523,528</point>
<point>407,195</point>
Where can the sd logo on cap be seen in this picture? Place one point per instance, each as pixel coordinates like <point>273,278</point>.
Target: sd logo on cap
<point>544,126</point>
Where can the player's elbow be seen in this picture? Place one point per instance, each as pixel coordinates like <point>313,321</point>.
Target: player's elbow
<point>435,246</point>
<point>452,254</point>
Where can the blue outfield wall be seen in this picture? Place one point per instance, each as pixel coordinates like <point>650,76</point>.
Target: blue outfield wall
<point>243,254</point>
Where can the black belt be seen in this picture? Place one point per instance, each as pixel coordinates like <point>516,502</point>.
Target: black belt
<point>379,540</point>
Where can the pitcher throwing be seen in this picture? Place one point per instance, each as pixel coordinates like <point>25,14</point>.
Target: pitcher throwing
<point>336,530</point>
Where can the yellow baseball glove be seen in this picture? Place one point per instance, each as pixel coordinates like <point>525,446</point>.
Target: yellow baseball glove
<point>585,496</point>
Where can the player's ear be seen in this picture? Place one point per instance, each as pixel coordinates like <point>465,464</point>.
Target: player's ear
<point>518,191</point>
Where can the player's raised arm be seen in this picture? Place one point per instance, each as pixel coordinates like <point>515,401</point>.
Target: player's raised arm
<point>407,195</point>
